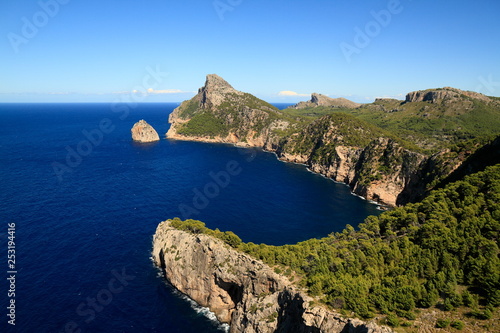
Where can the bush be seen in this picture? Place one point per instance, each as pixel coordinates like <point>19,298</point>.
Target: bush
<point>410,315</point>
<point>483,315</point>
<point>459,325</point>
<point>443,323</point>
<point>231,238</point>
<point>392,320</point>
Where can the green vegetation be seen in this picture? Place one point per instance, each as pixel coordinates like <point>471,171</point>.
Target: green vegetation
<point>443,323</point>
<point>198,227</point>
<point>189,108</point>
<point>204,124</point>
<point>312,113</point>
<point>443,251</point>
<point>459,325</point>
<point>433,126</point>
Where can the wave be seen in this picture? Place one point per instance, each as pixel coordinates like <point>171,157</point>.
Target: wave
<point>204,311</point>
<point>201,310</point>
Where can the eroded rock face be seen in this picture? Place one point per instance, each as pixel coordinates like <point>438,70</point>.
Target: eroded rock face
<point>240,290</point>
<point>379,170</point>
<point>322,100</point>
<point>143,132</point>
<point>237,117</point>
<point>442,95</point>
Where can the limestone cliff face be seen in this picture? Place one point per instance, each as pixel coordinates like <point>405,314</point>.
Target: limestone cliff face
<point>378,169</point>
<point>445,94</point>
<point>241,290</point>
<point>338,146</point>
<point>143,132</point>
<point>322,100</point>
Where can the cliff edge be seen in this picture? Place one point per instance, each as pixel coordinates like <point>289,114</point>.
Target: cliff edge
<point>240,290</point>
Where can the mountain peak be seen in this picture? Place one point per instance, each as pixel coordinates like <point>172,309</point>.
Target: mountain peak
<point>215,81</point>
<point>214,91</point>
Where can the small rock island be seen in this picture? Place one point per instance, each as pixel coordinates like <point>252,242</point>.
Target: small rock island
<point>143,132</point>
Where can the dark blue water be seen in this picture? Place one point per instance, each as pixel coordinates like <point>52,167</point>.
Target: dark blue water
<point>86,201</point>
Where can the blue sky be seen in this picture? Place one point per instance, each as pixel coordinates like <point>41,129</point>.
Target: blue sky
<point>280,51</point>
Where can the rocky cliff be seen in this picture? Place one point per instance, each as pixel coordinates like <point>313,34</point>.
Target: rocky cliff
<point>443,95</point>
<point>241,290</point>
<point>220,113</point>
<point>350,151</point>
<point>143,132</point>
<point>375,162</point>
<point>322,100</point>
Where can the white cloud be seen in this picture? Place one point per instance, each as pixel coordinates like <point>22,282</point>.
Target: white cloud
<point>290,93</point>
<point>165,91</point>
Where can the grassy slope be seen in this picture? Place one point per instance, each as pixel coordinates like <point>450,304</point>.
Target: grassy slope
<point>430,126</point>
<point>230,116</point>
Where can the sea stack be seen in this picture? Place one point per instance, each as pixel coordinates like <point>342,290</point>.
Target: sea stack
<point>143,132</point>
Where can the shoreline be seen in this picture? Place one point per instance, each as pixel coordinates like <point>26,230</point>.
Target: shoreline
<point>380,205</point>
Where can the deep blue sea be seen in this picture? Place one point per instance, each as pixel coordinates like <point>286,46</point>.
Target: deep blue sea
<point>86,201</point>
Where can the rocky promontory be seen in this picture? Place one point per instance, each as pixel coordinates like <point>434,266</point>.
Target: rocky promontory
<point>391,168</point>
<point>143,132</point>
<point>220,113</point>
<point>240,290</point>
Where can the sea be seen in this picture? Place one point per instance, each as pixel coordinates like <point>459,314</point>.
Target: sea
<point>80,202</point>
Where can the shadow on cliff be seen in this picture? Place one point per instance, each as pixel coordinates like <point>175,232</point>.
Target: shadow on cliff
<point>290,314</point>
<point>416,189</point>
<point>290,317</point>
<point>484,157</point>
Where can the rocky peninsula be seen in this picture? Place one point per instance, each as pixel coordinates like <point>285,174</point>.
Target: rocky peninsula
<point>240,290</point>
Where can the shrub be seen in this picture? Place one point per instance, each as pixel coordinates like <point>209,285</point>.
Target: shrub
<point>443,323</point>
<point>459,325</point>
<point>392,320</point>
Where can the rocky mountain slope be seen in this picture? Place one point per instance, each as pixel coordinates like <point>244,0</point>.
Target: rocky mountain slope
<point>240,290</point>
<point>220,113</point>
<point>360,146</point>
<point>322,100</point>
<point>435,119</point>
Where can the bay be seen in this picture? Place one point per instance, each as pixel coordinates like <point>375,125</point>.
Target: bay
<point>86,201</point>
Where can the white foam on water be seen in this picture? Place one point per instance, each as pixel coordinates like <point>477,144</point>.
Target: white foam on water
<point>204,311</point>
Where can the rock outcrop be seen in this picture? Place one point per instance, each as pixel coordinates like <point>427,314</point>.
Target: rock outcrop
<point>374,166</point>
<point>143,132</point>
<point>322,100</point>
<point>443,95</point>
<point>220,113</point>
<point>240,290</point>
<point>374,163</point>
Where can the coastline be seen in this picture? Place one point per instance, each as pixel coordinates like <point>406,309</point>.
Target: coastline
<point>380,205</point>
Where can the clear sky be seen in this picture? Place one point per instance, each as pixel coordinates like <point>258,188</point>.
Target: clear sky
<point>280,51</point>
